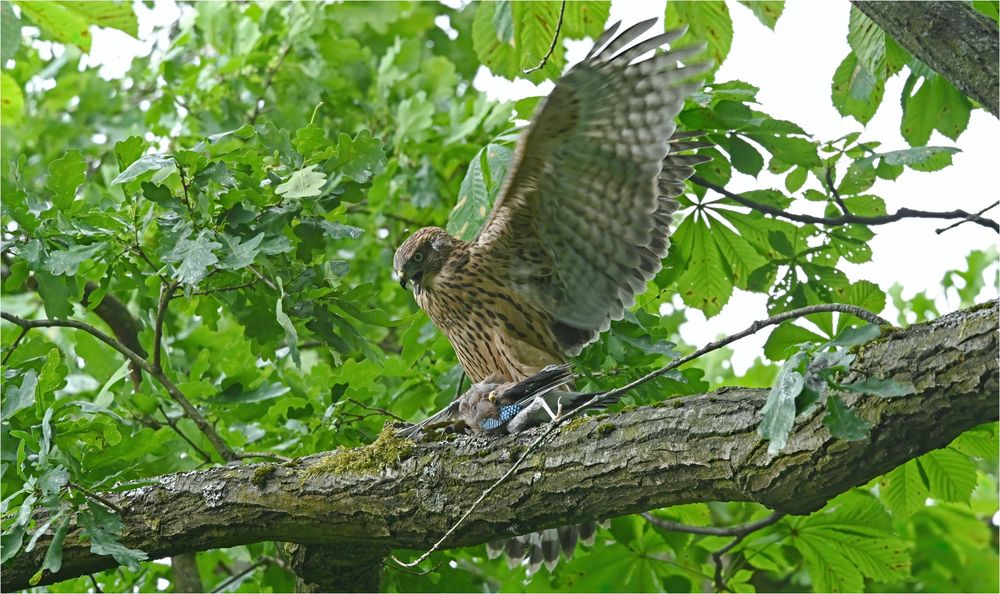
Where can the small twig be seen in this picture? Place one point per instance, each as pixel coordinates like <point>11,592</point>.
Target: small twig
<point>262,455</point>
<point>249,283</point>
<point>262,278</point>
<point>13,346</point>
<point>388,215</point>
<point>377,410</point>
<point>166,294</point>
<point>963,221</point>
<point>903,213</point>
<point>172,423</point>
<point>268,80</point>
<point>97,588</point>
<point>746,529</point>
<point>738,530</point>
<point>552,46</point>
<point>189,409</point>
<point>461,384</point>
<point>410,571</point>
<point>99,498</point>
<point>266,560</point>
<point>833,192</point>
<point>752,329</point>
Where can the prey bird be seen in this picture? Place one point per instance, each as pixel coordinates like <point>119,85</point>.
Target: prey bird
<point>581,223</point>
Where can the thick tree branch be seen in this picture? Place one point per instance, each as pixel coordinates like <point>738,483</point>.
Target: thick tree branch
<point>684,450</point>
<point>903,213</point>
<point>951,37</point>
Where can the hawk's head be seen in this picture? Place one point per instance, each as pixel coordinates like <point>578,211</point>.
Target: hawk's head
<point>422,256</point>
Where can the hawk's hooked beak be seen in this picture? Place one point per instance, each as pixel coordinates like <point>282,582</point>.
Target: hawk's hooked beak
<point>404,281</point>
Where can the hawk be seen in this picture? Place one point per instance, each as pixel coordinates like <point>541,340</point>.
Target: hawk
<point>581,222</point>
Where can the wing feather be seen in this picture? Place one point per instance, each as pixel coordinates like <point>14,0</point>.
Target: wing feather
<point>582,221</point>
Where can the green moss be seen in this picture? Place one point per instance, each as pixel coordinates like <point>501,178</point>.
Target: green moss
<point>386,451</point>
<point>261,475</point>
<point>629,408</point>
<point>605,428</point>
<point>574,424</point>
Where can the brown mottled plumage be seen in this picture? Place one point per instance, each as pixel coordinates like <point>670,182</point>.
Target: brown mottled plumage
<point>581,223</point>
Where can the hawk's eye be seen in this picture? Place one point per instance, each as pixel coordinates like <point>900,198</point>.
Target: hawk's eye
<point>418,257</point>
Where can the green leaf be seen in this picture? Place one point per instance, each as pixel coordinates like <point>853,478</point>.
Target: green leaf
<point>335,230</point>
<point>11,99</point>
<point>778,413</point>
<point>194,257</point>
<point>18,398</point>
<point>413,117</point>
<point>766,11</point>
<point>128,151</point>
<point>849,540</point>
<point>936,105</point>
<point>700,284</point>
<point>855,335</point>
<point>796,178</point>
<point>54,555</point>
<point>67,262</point>
<point>478,191</point>
<point>923,158</point>
<point>360,158</point>
<point>856,92</point>
<point>240,254</point>
<point>951,475</point>
<point>56,292</point>
<point>879,387</point>
<point>867,40</point>
<point>843,422</point>
<point>64,24</point>
<point>784,340</point>
<point>10,544</point>
<point>65,175</point>
<point>103,527</point>
<point>707,21</point>
<point>304,183</point>
<point>904,490</point>
<point>745,158</point>
<point>10,34</point>
<point>141,166</point>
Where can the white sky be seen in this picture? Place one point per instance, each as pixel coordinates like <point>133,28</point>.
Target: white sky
<point>793,67</point>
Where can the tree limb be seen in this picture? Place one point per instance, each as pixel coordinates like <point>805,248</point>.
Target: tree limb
<point>846,219</point>
<point>952,38</point>
<point>684,450</point>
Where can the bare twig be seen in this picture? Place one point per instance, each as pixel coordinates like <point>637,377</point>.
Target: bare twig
<point>166,294</point>
<point>963,221</point>
<point>903,213</point>
<point>172,423</point>
<point>833,192</point>
<point>102,500</point>
<point>189,409</point>
<point>461,384</point>
<point>266,560</point>
<point>268,80</point>
<point>97,588</point>
<point>376,410</point>
<point>552,46</point>
<point>13,346</point>
<point>738,530</point>
<point>720,584</point>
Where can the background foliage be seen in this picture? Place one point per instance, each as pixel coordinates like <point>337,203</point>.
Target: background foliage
<point>247,184</point>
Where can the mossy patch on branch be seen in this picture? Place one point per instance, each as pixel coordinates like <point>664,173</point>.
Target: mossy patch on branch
<point>386,451</point>
<point>261,474</point>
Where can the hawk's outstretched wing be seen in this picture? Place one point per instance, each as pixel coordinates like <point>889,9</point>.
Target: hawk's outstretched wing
<point>582,220</point>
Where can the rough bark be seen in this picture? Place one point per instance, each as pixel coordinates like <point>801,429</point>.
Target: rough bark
<point>699,448</point>
<point>184,571</point>
<point>952,38</point>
